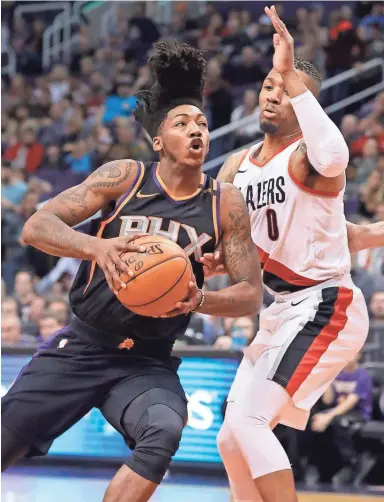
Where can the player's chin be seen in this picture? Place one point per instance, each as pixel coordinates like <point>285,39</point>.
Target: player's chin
<point>195,158</point>
<point>269,126</point>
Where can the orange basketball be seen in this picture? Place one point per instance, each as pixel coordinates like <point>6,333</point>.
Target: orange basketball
<point>162,275</point>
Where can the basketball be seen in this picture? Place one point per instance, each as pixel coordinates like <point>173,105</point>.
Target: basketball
<point>162,275</point>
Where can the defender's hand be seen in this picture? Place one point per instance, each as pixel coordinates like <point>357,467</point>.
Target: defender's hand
<point>213,264</point>
<point>283,59</point>
<point>108,257</point>
<point>190,303</point>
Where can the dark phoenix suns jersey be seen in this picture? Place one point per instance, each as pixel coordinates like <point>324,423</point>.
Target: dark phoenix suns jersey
<point>193,222</point>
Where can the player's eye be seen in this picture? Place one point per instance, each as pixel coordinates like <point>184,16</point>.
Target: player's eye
<point>268,87</point>
<point>178,124</point>
<point>204,124</point>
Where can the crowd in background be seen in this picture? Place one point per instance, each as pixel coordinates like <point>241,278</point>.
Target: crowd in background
<point>60,125</point>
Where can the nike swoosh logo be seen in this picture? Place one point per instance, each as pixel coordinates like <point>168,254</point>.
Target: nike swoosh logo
<point>298,303</point>
<point>144,196</point>
<point>242,171</point>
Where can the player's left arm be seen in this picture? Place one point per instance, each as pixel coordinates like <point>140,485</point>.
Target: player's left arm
<point>241,260</point>
<point>323,155</point>
<point>365,236</point>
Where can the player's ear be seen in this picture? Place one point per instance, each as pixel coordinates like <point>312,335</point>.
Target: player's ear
<point>157,144</point>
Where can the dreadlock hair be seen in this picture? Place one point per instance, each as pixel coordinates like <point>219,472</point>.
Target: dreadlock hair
<point>179,72</point>
<point>308,68</point>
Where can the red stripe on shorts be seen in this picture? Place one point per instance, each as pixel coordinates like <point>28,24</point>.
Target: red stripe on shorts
<point>321,343</point>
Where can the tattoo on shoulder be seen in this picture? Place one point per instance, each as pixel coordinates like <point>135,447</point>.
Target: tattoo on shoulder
<point>229,169</point>
<point>109,175</point>
<point>239,247</point>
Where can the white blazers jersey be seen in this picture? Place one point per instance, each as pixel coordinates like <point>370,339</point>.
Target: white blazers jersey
<point>300,233</point>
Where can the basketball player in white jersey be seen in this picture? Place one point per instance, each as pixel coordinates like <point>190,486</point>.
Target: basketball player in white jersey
<point>293,183</point>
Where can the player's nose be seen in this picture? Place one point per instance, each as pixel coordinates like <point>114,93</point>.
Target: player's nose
<point>195,131</point>
<point>274,99</point>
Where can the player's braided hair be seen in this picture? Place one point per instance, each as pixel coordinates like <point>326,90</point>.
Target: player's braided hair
<point>307,68</point>
<point>179,72</point>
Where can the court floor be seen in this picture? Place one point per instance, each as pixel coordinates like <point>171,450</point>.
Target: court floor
<point>63,485</point>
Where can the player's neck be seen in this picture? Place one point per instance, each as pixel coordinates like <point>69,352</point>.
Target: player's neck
<point>275,143</point>
<point>181,181</point>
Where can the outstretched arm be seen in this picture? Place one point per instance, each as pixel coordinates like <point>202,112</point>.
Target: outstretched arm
<point>365,236</point>
<point>324,151</point>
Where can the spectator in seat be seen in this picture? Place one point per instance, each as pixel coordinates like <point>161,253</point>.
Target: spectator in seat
<point>249,108</point>
<point>376,45</point>
<point>367,163</point>
<point>242,332</point>
<point>49,325</point>
<point>60,308</point>
<point>343,50</point>
<point>13,186</point>
<point>59,82</point>
<point>235,39</point>
<point>11,333</point>
<point>146,28</point>
<point>15,254</point>
<point>24,291</point>
<point>376,306</point>
<point>79,160</point>
<point>360,273</point>
<point>27,154</point>
<point>97,92</point>
<point>345,405</point>
<point>245,69</point>
<point>35,314</point>
<point>349,128</point>
<point>371,194</point>
<point>120,103</point>
<point>9,307</point>
<point>126,137</point>
<point>83,49</point>
<point>53,129</point>
<point>220,103</point>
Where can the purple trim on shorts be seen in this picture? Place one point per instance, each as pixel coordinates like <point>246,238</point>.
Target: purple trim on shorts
<point>127,193</point>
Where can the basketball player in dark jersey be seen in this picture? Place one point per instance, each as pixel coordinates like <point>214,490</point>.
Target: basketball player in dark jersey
<point>109,357</point>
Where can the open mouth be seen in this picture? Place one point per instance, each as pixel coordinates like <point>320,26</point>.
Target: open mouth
<point>196,145</point>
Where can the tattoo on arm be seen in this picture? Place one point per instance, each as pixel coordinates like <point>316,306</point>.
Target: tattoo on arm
<point>229,168</point>
<point>89,196</point>
<point>241,257</point>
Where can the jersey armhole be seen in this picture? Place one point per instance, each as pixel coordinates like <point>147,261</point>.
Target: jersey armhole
<point>127,196</point>
<point>216,196</point>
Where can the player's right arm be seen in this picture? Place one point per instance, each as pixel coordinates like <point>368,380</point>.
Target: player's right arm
<point>49,229</point>
<point>365,236</point>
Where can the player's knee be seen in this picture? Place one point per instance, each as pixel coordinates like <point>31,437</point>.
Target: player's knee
<point>158,438</point>
<point>226,442</point>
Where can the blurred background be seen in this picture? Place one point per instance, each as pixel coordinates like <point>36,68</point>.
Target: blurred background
<point>69,73</point>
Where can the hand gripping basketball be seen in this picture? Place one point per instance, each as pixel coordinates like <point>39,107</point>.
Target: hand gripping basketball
<point>191,303</point>
<point>108,257</point>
